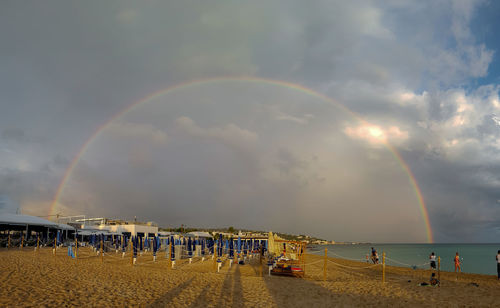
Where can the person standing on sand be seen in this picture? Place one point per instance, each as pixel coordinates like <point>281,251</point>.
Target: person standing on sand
<point>457,263</point>
<point>432,259</point>
<point>498,264</point>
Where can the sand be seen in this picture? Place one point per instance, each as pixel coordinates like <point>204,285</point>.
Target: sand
<point>39,279</point>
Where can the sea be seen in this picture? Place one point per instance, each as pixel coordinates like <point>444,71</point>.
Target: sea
<point>476,258</point>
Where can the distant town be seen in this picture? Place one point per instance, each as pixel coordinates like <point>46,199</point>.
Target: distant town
<point>85,223</point>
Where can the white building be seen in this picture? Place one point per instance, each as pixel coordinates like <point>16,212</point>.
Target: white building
<point>149,229</point>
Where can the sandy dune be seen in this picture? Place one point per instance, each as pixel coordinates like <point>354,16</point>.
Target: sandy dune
<point>42,280</point>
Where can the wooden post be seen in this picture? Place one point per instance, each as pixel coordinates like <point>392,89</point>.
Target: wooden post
<point>38,242</point>
<point>324,265</point>
<point>22,241</point>
<point>55,245</point>
<point>383,267</point>
<point>76,247</point>
<point>8,246</point>
<point>439,270</point>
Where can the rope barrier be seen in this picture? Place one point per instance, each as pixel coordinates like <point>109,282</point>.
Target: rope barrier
<point>362,260</point>
<point>342,257</point>
<point>313,262</point>
<point>409,265</point>
<point>354,267</point>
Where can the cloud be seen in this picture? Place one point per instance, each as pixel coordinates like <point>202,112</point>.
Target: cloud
<point>213,153</point>
<point>299,120</point>
<point>127,16</point>
<point>135,130</point>
<point>376,135</point>
<point>230,135</point>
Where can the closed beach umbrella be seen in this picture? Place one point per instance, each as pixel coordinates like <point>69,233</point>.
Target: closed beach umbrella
<point>189,248</point>
<point>135,244</point>
<point>172,252</point>
<point>210,246</point>
<point>231,249</point>
<point>219,245</point>
<point>202,247</point>
<point>238,245</point>
<point>155,246</point>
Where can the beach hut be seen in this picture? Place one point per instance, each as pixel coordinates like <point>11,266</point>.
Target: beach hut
<point>291,262</point>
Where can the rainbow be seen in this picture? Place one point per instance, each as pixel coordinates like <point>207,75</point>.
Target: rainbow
<point>289,85</point>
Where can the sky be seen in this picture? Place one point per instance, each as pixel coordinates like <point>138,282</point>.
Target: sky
<point>239,141</point>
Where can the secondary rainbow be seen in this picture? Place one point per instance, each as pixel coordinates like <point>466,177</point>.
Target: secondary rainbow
<point>285,84</point>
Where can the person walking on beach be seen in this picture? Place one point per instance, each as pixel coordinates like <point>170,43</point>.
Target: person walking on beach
<point>457,263</point>
<point>498,264</point>
<point>432,259</point>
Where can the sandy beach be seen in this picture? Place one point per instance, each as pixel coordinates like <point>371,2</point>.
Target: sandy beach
<point>38,279</point>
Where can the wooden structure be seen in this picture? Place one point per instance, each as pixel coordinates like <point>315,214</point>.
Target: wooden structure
<point>291,260</point>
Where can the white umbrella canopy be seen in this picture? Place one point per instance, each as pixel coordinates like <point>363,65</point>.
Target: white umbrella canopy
<point>198,234</point>
<point>16,219</point>
<point>65,227</point>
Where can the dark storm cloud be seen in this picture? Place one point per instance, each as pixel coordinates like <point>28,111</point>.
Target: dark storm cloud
<point>406,67</point>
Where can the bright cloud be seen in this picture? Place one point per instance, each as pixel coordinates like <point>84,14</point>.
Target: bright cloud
<point>377,135</point>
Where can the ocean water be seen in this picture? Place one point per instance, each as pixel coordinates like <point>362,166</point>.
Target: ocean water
<point>476,258</point>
